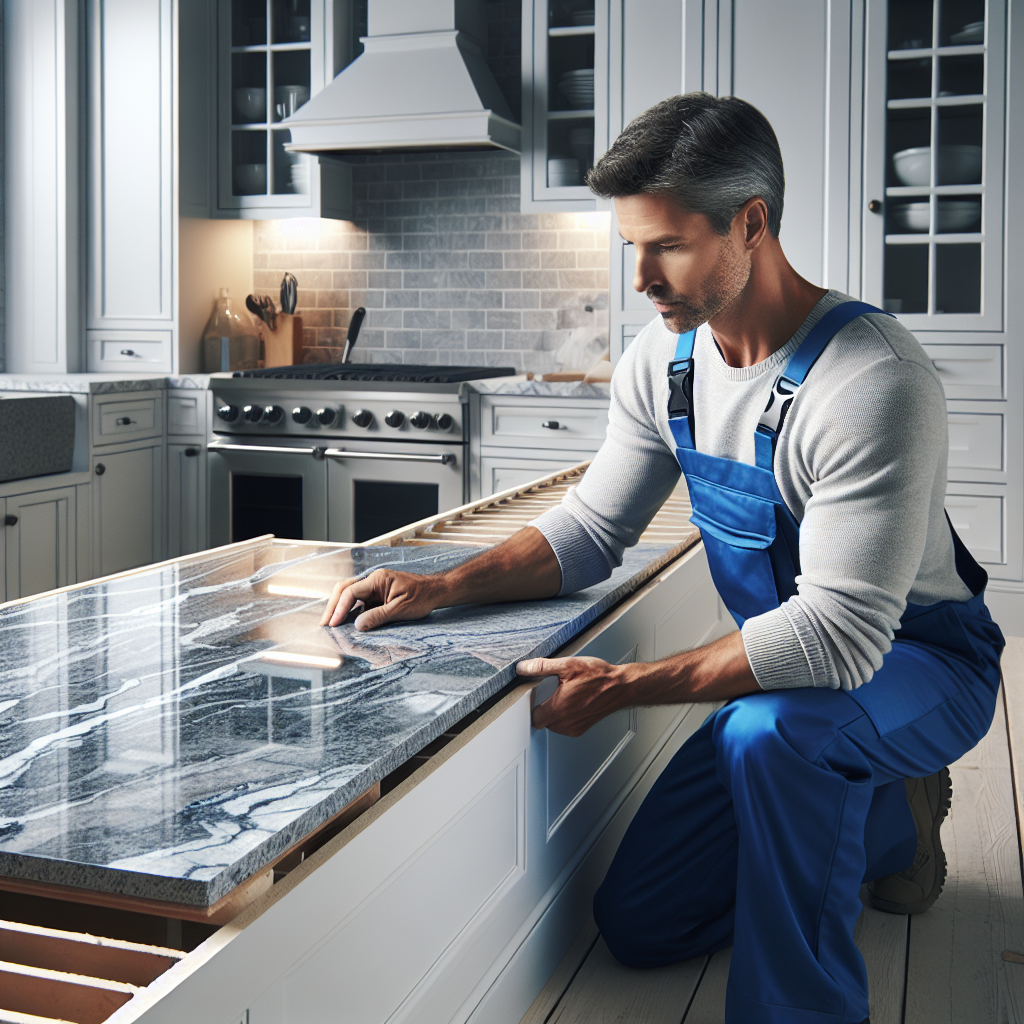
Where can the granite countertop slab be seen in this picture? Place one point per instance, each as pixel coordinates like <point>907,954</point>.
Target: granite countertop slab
<point>523,388</point>
<point>169,733</point>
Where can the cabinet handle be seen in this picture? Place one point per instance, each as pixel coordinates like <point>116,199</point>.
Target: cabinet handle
<point>100,469</point>
<point>875,205</point>
<point>190,453</point>
<point>553,425</point>
<point>10,520</point>
<point>128,352</point>
<point>124,421</point>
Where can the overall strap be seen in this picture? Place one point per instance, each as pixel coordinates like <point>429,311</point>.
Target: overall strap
<point>787,384</point>
<point>680,391</point>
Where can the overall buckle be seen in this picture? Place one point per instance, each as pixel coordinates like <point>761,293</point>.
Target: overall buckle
<point>680,387</point>
<point>779,401</point>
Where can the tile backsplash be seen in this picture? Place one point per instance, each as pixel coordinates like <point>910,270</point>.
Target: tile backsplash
<point>447,267</point>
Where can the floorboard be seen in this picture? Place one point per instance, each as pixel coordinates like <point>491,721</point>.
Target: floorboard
<point>708,1006</point>
<point>955,970</point>
<point>550,995</point>
<point>605,992</point>
<point>882,941</point>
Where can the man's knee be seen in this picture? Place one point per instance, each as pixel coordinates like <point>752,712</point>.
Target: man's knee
<point>624,928</point>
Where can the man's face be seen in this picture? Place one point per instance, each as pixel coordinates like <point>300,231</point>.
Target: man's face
<point>687,270</point>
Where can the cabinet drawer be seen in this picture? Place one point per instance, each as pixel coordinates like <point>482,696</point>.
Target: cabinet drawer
<point>969,371</point>
<point>978,519</point>
<point>975,441</point>
<point>186,414</point>
<point>541,425</point>
<point>145,351</point>
<point>126,420</point>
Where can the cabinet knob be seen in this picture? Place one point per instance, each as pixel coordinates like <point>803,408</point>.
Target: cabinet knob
<point>123,421</point>
<point>552,425</point>
<point>190,453</point>
<point>100,469</point>
<point>10,520</point>
<point>127,352</point>
<point>875,206</point>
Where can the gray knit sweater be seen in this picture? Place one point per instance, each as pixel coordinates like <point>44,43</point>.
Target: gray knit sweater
<point>860,462</point>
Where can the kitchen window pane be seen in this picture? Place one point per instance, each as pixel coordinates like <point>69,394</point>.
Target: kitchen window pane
<point>910,24</point>
<point>291,170</point>
<point>908,141</point>
<point>906,279</point>
<point>958,214</point>
<point>249,163</point>
<point>248,22</point>
<point>961,22</point>
<point>962,76</point>
<point>291,82</point>
<point>291,22</point>
<point>958,278</point>
<point>249,88</point>
<point>910,79</point>
<point>960,141</point>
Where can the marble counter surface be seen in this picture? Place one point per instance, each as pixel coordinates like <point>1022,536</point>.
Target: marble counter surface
<point>169,733</point>
<point>99,383</point>
<point>524,388</point>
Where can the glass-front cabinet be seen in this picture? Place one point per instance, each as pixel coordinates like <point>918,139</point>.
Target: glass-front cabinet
<point>934,162</point>
<point>565,100</point>
<point>272,56</point>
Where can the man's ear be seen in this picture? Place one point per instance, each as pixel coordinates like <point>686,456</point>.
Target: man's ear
<point>752,221</point>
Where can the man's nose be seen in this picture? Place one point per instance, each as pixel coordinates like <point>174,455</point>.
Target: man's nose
<point>645,273</point>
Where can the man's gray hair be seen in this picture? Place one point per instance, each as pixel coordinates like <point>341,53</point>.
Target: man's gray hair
<point>710,154</point>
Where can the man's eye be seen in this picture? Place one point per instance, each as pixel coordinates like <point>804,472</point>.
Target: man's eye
<point>666,248</point>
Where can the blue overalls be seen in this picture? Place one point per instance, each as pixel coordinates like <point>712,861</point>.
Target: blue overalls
<point>763,826</point>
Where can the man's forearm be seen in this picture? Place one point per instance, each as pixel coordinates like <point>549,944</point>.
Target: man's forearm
<point>522,568</point>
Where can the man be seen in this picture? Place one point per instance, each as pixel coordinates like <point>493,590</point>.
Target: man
<point>812,433</point>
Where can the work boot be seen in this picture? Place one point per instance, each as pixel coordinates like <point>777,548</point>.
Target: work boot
<point>914,890</point>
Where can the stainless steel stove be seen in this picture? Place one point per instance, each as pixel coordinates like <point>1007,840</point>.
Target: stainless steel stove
<point>340,452</point>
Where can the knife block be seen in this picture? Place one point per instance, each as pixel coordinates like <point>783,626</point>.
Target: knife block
<point>283,345</point>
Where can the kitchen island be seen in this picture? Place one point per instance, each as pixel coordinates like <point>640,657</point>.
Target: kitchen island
<point>174,736</point>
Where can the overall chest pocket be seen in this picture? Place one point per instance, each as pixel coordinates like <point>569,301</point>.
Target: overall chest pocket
<point>737,529</point>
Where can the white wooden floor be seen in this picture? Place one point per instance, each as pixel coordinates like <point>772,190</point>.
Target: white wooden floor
<point>942,967</point>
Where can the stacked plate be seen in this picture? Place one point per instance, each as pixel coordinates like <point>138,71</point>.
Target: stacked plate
<point>953,215</point>
<point>971,34</point>
<point>578,88</point>
<point>299,174</point>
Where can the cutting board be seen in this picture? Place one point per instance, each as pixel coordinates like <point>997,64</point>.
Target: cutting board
<point>283,345</point>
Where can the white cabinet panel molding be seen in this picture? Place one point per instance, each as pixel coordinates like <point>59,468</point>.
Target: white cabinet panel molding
<point>42,202</point>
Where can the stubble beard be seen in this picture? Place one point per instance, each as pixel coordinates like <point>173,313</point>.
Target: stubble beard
<point>727,279</point>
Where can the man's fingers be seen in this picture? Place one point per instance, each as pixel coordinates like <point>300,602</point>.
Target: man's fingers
<point>332,602</point>
<point>352,590</point>
<point>532,668</point>
<point>374,617</point>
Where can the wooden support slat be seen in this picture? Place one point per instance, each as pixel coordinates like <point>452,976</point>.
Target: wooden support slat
<point>112,959</point>
<point>56,994</point>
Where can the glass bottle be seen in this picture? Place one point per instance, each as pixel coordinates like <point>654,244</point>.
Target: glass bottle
<point>230,341</point>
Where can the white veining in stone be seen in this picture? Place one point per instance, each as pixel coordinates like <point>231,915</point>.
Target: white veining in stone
<point>168,734</point>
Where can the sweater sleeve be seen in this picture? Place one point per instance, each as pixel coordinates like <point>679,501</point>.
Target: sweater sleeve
<point>627,482</point>
<point>874,458</point>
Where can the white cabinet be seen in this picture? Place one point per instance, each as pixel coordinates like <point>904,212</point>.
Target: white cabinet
<point>258,62</point>
<point>127,507</point>
<point>186,499</point>
<point>40,541</point>
<point>565,101</point>
<point>132,185</point>
<point>500,472</point>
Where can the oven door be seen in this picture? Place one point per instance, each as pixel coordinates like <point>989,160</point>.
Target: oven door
<point>274,487</point>
<point>374,488</point>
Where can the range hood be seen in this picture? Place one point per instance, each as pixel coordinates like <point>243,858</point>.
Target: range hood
<point>421,83</point>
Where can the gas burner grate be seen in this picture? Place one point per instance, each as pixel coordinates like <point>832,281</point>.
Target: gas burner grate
<point>399,373</point>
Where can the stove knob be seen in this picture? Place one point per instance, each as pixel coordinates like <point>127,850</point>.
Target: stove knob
<point>273,414</point>
<point>362,417</point>
<point>444,422</point>
<point>394,418</point>
<point>253,413</point>
<point>420,420</point>
<point>327,416</point>
<point>301,414</point>
<point>228,413</point>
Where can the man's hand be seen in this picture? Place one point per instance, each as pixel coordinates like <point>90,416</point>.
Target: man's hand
<point>387,596</point>
<point>589,689</point>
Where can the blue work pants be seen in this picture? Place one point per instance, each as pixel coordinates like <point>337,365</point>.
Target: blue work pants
<point>763,826</point>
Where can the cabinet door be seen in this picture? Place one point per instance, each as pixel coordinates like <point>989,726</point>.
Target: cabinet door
<point>186,499</point>
<point>127,508</point>
<point>132,209</point>
<point>40,542</point>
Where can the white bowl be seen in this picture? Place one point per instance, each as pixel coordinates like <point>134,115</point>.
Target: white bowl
<point>250,179</point>
<point>251,104</point>
<point>970,34</point>
<point>288,98</point>
<point>957,165</point>
<point>954,215</point>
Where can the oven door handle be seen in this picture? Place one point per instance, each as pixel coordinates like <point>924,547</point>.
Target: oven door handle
<point>339,453</point>
<point>220,446</point>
